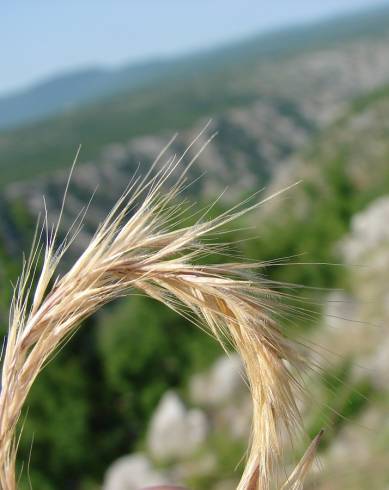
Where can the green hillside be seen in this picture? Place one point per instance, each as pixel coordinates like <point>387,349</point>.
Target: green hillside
<point>198,88</point>
<point>52,144</point>
<point>64,92</point>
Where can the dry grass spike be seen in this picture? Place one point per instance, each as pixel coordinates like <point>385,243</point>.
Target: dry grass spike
<point>138,247</point>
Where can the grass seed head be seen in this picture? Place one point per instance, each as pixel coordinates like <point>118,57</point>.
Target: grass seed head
<point>138,247</point>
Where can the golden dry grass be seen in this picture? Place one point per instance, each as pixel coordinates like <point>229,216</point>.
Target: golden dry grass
<point>139,247</point>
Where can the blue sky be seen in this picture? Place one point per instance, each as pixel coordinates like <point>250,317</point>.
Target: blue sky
<point>42,37</point>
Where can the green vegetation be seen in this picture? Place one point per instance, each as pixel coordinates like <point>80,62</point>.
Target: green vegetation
<point>229,464</point>
<point>52,144</point>
<point>339,401</point>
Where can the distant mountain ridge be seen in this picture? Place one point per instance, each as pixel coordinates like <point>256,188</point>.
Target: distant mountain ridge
<point>64,92</point>
<point>67,91</point>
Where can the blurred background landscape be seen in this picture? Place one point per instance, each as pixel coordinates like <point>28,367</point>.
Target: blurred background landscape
<point>139,396</point>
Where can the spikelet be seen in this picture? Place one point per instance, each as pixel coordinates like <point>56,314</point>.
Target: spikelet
<point>138,247</point>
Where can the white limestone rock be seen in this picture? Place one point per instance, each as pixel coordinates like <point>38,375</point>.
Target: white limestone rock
<point>340,310</point>
<point>132,472</point>
<point>368,231</point>
<point>175,432</point>
<point>220,384</point>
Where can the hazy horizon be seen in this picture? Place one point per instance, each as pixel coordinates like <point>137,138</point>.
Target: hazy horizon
<point>44,63</point>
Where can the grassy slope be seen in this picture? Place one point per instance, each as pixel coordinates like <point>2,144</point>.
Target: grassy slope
<point>52,144</point>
